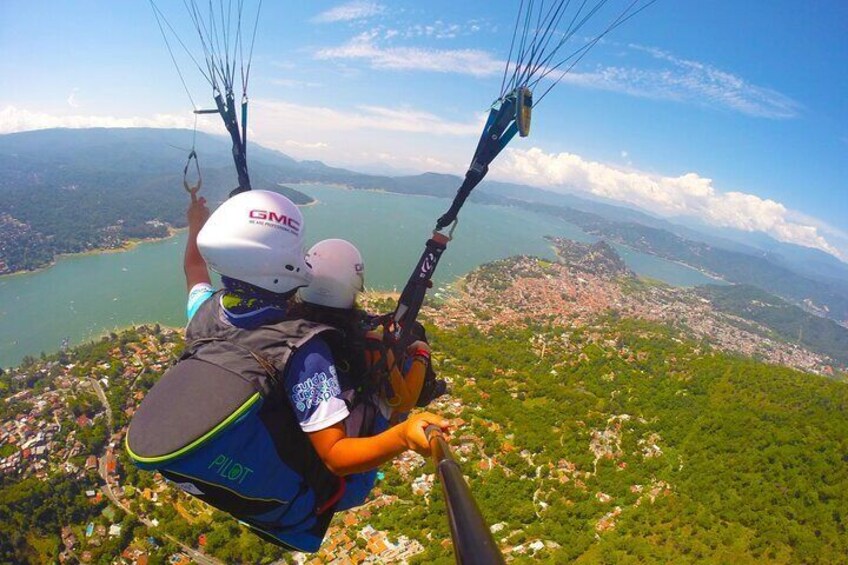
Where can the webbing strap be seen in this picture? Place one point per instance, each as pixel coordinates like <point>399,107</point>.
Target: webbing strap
<point>228,114</point>
<point>500,128</point>
<point>412,297</point>
<point>472,179</point>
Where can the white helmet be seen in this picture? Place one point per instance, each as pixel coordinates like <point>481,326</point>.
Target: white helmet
<point>338,274</point>
<point>257,237</point>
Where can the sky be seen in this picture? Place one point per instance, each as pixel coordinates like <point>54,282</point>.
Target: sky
<point>731,113</point>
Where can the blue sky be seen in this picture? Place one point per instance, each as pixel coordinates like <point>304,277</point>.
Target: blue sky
<point>731,112</point>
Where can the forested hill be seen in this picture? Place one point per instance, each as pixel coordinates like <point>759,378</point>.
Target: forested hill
<point>70,191</point>
<point>787,321</point>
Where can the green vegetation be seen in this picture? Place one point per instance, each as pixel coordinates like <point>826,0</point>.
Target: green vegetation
<point>65,191</point>
<point>34,511</point>
<point>736,438</point>
<point>786,320</point>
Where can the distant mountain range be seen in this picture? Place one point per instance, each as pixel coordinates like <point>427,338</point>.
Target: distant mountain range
<point>66,190</point>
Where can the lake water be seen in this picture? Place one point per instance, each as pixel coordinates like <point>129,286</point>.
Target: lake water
<point>83,297</point>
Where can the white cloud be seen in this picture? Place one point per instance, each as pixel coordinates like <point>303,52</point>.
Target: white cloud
<point>459,61</point>
<point>350,11</point>
<point>432,164</point>
<point>72,98</point>
<point>322,132</point>
<point>675,79</point>
<point>685,195</point>
<point>688,81</point>
<point>320,118</point>
<point>13,119</point>
<point>437,30</point>
<point>365,136</point>
<point>305,145</point>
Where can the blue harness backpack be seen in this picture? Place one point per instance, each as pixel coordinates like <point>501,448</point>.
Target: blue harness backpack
<point>218,425</point>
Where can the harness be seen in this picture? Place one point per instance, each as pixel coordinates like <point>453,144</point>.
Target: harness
<point>218,425</point>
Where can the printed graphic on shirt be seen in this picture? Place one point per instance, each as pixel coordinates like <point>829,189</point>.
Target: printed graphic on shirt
<point>318,388</point>
<point>313,387</point>
<point>198,294</point>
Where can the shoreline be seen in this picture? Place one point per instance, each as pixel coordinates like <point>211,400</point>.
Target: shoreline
<point>129,245</point>
<point>367,296</point>
<point>94,339</point>
<point>349,188</point>
<point>678,262</point>
<point>314,202</point>
<point>172,231</point>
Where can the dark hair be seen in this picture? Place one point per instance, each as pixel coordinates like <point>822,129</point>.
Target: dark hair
<point>344,319</point>
<point>351,322</point>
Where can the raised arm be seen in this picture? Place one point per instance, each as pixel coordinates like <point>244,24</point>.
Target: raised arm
<point>195,268</point>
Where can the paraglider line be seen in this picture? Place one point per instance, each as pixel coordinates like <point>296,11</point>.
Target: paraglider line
<point>171,53</point>
<point>511,46</point>
<point>252,42</point>
<point>623,17</point>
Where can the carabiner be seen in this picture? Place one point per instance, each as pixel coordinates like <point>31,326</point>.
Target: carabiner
<point>189,188</point>
<point>452,227</point>
<point>442,238</point>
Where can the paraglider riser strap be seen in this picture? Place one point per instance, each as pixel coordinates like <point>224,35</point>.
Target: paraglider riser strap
<point>472,178</point>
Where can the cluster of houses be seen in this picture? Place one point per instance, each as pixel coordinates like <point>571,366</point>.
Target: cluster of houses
<point>28,445</point>
<point>573,296</point>
<point>356,542</point>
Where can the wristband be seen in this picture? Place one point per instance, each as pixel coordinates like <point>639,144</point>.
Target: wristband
<point>421,353</point>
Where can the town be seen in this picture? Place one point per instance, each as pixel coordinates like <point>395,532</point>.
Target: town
<point>590,281</point>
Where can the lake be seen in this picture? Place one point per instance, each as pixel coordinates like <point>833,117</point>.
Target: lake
<point>83,297</point>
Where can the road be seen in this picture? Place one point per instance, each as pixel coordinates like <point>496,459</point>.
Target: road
<point>102,396</point>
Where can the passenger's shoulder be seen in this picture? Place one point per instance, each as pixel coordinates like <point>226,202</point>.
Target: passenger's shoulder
<point>199,293</point>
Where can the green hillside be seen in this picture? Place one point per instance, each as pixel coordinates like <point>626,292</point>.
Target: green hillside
<point>750,460</point>
<point>72,191</point>
<point>787,321</point>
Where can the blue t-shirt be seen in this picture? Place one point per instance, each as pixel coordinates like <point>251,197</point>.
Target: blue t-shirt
<point>311,381</point>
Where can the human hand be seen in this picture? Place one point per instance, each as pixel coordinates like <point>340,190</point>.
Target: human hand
<point>197,213</point>
<point>412,431</point>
